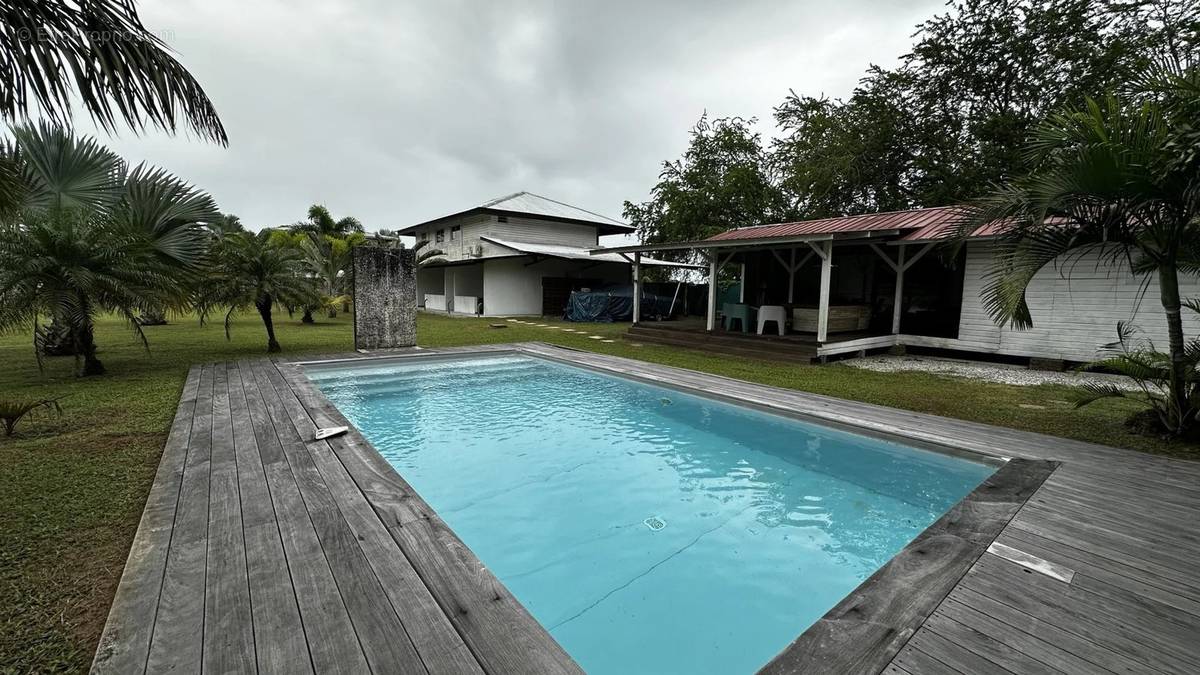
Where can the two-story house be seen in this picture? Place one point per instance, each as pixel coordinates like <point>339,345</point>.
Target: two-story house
<point>521,254</point>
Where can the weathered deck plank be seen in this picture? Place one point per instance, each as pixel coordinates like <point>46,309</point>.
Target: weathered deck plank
<point>279,640</point>
<point>332,642</point>
<point>228,626</point>
<point>384,641</point>
<point>262,550</point>
<point>179,621</point>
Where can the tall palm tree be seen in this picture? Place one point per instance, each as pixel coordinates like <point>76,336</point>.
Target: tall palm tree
<point>99,54</point>
<point>1121,176</point>
<point>90,235</point>
<point>258,270</point>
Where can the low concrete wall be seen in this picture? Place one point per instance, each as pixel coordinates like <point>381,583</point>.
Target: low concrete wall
<point>385,298</point>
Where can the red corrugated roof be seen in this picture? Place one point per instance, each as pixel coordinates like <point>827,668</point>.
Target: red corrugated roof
<point>915,225</point>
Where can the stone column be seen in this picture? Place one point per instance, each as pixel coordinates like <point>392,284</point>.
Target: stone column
<point>385,297</point>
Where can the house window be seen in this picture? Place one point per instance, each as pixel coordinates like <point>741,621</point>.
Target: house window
<point>440,237</point>
<point>454,232</point>
<point>425,235</point>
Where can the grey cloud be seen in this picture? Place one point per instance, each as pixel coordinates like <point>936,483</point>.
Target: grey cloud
<point>395,112</point>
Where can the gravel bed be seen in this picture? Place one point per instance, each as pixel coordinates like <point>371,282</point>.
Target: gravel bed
<point>990,372</point>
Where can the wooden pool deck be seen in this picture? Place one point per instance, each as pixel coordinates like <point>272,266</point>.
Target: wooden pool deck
<point>261,550</point>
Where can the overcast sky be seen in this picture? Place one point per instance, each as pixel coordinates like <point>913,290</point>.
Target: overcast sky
<point>396,112</point>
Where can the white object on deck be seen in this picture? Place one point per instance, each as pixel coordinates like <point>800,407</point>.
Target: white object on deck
<point>329,432</point>
<point>774,313</point>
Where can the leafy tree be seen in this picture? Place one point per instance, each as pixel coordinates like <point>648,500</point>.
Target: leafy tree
<point>722,181</point>
<point>1121,176</point>
<point>98,53</point>
<point>90,235</point>
<point>259,270</point>
<point>938,129</point>
<point>952,118</point>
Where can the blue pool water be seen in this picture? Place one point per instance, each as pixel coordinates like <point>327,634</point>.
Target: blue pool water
<point>650,531</point>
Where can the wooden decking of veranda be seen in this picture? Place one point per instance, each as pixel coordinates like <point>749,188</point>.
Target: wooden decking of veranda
<point>261,549</point>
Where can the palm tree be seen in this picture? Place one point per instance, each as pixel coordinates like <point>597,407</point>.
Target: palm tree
<point>55,52</point>
<point>258,270</point>
<point>327,244</point>
<point>321,222</point>
<point>89,235</point>
<point>1122,176</point>
<point>329,259</point>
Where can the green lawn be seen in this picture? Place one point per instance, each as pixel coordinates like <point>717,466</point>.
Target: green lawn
<point>72,488</point>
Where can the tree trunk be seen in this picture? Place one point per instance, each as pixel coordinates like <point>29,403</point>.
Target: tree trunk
<point>85,346</point>
<point>308,317</point>
<point>263,305</point>
<point>331,312</point>
<point>1168,285</point>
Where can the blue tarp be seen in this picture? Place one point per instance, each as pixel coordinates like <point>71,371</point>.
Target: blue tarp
<point>613,303</point>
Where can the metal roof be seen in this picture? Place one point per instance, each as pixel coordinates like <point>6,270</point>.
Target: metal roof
<point>935,222</point>
<point>529,205</point>
<point>577,253</point>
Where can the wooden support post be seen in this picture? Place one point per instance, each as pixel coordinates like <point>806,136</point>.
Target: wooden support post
<point>826,253</point>
<point>897,310</point>
<point>792,276</point>
<point>637,288</point>
<point>710,317</point>
<point>742,284</point>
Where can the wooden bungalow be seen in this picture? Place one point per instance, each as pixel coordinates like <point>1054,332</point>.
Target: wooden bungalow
<point>881,280</point>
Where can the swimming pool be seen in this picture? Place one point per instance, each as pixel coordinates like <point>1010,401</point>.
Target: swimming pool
<point>647,529</point>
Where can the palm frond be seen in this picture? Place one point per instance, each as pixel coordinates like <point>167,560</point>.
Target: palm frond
<point>100,53</point>
<point>1095,391</point>
<point>65,171</point>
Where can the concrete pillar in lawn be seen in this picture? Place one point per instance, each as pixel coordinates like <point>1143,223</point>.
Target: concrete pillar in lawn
<point>385,297</point>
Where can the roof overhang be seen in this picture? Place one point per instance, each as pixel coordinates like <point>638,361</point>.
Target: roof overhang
<point>601,228</point>
<point>572,253</point>
<point>747,243</point>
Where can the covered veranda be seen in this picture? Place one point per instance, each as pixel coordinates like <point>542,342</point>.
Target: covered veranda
<point>827,286</point>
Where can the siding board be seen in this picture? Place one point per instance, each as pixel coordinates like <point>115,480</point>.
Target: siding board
<point>1073,318</point>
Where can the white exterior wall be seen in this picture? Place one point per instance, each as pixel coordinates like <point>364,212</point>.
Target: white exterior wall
<point>533,231</point>
<point>430,280</point>
<point>529,231</point>
<point>1073,318</point>
<point>512,288</point>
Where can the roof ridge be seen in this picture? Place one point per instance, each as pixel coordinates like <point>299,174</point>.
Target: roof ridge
<point>505,198</point>
<point>572,206</point>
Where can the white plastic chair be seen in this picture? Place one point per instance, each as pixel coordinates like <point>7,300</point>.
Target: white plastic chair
<point>774,313</point>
